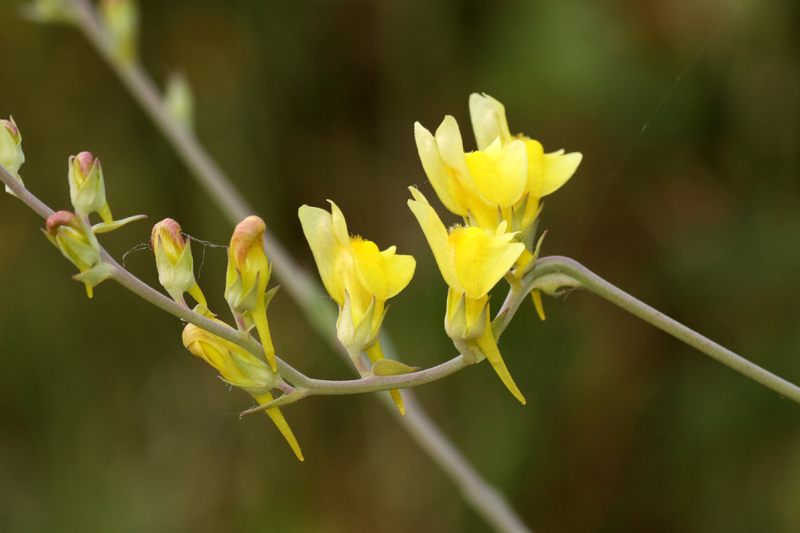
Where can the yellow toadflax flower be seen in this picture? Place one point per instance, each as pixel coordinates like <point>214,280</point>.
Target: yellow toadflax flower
<point>240,369</point>
<point>174,261</point>
<point>246,281</point>
<point>546,172</point>
<point>359,278</point>
<point>480,186</point>
<point>472,261</point>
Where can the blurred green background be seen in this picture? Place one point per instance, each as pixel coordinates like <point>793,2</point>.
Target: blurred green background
<point>108,424</point>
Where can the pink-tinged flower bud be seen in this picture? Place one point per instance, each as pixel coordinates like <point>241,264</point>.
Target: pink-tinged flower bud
<point>174,261</point>
<point>240,369</point>
<point>86,186</point>
<point>70,234</point>
<point>246,281</point>
<point>11,156</point>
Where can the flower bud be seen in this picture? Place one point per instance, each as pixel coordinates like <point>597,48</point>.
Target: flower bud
<point>174,262</point>
<point>46,11</point>
<point>86,186</point>
<point>240,369</point>
<point>122,21</point>
<point>246,281</point>
<point>11,156</point>
<point>179,100</point>
<point>74,238</point>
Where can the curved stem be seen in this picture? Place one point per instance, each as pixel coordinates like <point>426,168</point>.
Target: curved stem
<point>569,273</point>
<point>370,383</point>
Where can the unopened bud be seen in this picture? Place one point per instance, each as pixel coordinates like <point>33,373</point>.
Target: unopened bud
<point>11,156</point>
<point>179,100</point>
<point>86,186</point>
<point>246,281</point>
<point>237,366</point>
<point>70,234</point>
<point>174,261</point>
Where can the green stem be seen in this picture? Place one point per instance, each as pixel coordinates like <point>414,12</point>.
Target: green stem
<point>569,273</point>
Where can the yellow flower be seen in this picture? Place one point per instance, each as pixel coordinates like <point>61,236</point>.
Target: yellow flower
<point>359,278</point>
<point>241,369</point>
<point>246,281</point>
<point>546,173</point>
<point>174,261</point>
<point>480,186</point>
<point>472,261</point>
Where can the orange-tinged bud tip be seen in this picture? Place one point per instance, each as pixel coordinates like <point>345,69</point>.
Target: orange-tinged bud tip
<point>12,129</point>
<point>248,233</point>
<point>171,230</point>
<point>61,218</point>
<point>85,160</point>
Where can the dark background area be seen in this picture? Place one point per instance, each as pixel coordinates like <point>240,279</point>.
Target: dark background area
<point>108,424</point>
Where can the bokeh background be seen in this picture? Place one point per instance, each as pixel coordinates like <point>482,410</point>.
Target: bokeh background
<point>108,424</point>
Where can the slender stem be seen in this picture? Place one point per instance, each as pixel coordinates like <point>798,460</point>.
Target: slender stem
<point>571,273</point>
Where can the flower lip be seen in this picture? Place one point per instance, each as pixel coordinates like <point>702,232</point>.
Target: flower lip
<point>60,218</point>
<point>12,128</point>
<point>248,233</point>
<point>85,160</point>
<point>171,228</point>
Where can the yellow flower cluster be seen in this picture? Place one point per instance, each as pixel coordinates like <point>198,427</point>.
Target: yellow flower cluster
<point>497,190</point>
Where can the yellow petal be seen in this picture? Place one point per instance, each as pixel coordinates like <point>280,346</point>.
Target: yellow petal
<point>442,177</point>
<point>318,229</point>
<point>558,167</point>
<point>488,346</point>
<point>535,154</point>
<point>488,120</point>
<point>500,174</point>
<point>339,225</point>
<point>385,273</point>
<point>480,261</point>
<point>283,426</point>
<point>437,237</point>
<point>451,147</point>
